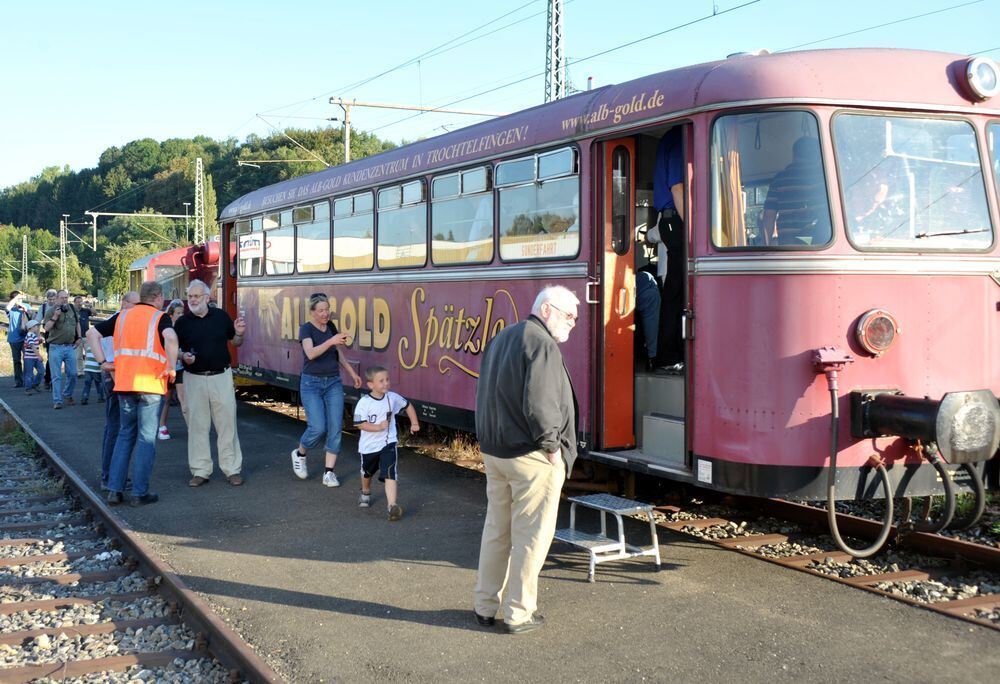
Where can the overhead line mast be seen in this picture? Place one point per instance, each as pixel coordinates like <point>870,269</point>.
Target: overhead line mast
<point>555,67</point>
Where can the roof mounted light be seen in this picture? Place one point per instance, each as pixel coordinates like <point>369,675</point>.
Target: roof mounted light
<point>877,330</point>
<point>983,77</point>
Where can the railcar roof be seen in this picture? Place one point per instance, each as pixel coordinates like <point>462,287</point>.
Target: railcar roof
<point>878,76</point>
<point>143,262</point>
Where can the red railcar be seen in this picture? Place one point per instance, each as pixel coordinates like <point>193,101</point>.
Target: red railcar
<point>883,306</point>
<point>175,268</point>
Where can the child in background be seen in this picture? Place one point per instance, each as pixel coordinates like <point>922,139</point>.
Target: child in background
<point>92,374</point>
<point>375,415</point>
<point>34,367</point>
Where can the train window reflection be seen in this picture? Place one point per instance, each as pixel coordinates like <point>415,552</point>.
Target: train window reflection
<point>388,198</point>
<point>540,220</point>
<point>446,186</point>
<point>321,211</point>
<point>353,240</point>
<point>463,229</point>
<point>517,171</point>
<point>993,136</point>
<point>768,186</point>
<point>554,164</point>
<point>911,183</point>
<point>251,254</point>
<point>402,236</point>
<point>279,250</point>
<point>475,180</point>
<point>312,247</point>
<point>343,207</point>
<point>302,214</point>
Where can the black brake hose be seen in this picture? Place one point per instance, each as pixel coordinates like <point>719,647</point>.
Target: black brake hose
<point>831,498</point>
<point>949,499</point>
<point>979,492</point>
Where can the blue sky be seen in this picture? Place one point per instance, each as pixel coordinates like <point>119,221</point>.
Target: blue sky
<point>80,77</point>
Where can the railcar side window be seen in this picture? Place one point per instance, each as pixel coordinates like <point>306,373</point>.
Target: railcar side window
<point>402,226</point>
<point>462,218</point>
<point>279,243</point>
<point>251,250</point>
<point>539,218</point>
<point>312,240</point>
<point>993,136</point>
<point>911,183</point>
<point>354,233</point>
<point>768,185</point>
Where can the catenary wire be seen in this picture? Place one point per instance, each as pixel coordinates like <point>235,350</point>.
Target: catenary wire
<point>582,59</point>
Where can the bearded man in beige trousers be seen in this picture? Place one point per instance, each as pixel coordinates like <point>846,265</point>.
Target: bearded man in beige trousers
<point>526,420</point>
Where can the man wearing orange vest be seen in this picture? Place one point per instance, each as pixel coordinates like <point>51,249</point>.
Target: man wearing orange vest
<point>145,357</point>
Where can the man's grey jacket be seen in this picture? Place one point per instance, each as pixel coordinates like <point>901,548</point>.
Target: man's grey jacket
<point>524,399</point>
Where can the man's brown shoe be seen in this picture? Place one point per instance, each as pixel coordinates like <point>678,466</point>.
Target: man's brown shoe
<point>197,481</point>
<point>235,479</point>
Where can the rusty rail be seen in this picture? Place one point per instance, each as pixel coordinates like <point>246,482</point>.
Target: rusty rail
<point>219,639</point>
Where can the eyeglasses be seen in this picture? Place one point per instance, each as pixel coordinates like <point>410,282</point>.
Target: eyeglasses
<point>569,317</point>
<point>318,297</point>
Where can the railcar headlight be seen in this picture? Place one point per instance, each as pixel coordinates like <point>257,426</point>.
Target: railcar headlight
<point>983,77</point>
<point>876,331</point>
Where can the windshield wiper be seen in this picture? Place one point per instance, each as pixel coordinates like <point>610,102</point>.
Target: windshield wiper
<point>967,231</point>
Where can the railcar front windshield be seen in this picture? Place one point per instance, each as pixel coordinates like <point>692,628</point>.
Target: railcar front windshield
<point>911,183</point>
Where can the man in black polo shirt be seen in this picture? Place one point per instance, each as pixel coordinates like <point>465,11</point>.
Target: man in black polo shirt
<point>208,385</point>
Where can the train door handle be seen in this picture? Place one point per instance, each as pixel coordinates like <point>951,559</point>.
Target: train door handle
<point>622,301</point>
<point>592,296</point>
<point>687,325</point>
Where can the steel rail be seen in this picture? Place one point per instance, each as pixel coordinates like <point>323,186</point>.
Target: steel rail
<point>222,642</point>
<point>929,544</point>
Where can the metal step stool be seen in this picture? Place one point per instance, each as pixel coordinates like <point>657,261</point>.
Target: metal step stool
<point>601,547</point>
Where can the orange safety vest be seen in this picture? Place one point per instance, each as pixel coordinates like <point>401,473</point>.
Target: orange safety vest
<point>139,354</point>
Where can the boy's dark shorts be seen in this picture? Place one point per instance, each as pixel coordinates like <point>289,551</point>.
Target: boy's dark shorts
<point>382,462</point>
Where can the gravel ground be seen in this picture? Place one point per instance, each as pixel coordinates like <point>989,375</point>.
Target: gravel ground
<point>178,672</point>
<point>67,646</point>
<point>54,518</point>
<point>105,560</point>
<point>945,588</point>
<point>59,531</point>
<point>986,531</point>
<point>15,503</point>
<point>991,615</point>
<point>893,562</point>
<point>784,550</point>
<point>49,546</point>
<point>41,592</point>
<point>103,611</point>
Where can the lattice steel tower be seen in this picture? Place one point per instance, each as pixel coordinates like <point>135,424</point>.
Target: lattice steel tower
<point>24,261</point>
<point>555,67</point>
<point>199,203</point>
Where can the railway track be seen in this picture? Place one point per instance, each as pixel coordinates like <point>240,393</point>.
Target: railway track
<point>81,596</point>
<point>950,576</point>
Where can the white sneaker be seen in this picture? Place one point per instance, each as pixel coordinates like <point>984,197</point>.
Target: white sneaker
<point>163,433</point>
<point>330,480</point>
<point>365,501</point>
<point>299,464</point>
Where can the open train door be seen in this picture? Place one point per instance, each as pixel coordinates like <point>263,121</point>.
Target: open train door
<point>227,277</point>
<point>617,381</point>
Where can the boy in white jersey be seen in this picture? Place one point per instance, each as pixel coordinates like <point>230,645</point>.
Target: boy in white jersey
<point>375,415</point>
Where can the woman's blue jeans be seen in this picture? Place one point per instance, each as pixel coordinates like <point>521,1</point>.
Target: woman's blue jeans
<point>323,400</point>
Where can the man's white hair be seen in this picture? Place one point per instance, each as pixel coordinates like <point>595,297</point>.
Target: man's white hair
<point>559,296</point>
<point>197,283</point>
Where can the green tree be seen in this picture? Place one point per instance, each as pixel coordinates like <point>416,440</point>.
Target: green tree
<point>118,258</point>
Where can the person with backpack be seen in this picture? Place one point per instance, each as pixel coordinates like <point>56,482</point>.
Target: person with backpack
<point>17,328</point>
